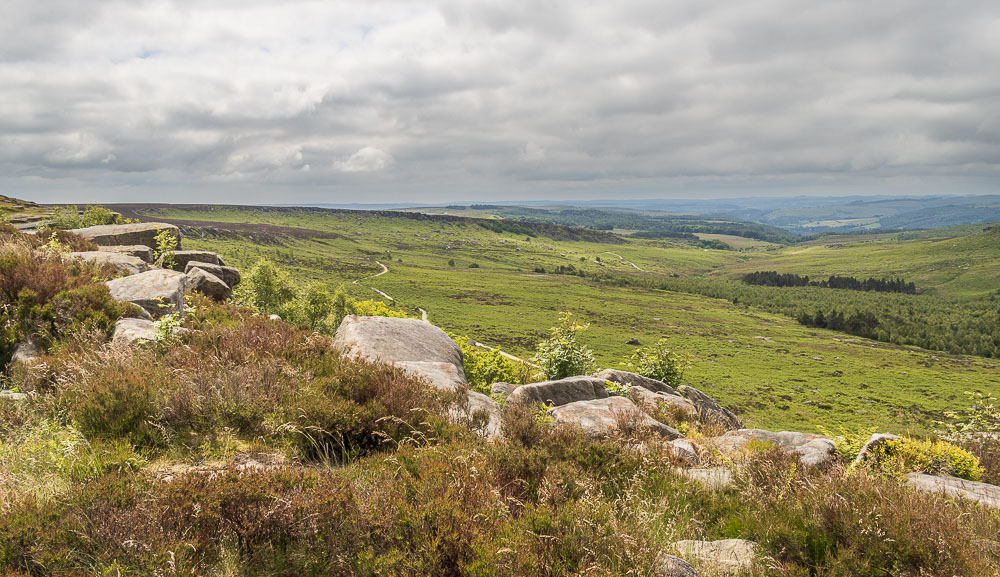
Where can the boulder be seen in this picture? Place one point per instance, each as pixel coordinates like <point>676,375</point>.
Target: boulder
<point>708,410</point>
<point>670,566</point>
<point>393,340</point>
<point>13,396</point>
<point>26,352</point>
<point>502,389</point>
<point>683,450</point>
<point>137,250</point>
<point>143,233</point>
<point>199,280</point>
<point>811,449</point>
<point>122,263</point>
<point>650,401</point>
<point>874,442</point>
<point>983,493</point>
<point>725,557</point>
<point>183,257</point>
<point>601,417</point>
<point>158,292</point>
<point>712,478</point>
<point>228,274</point>
<point>632,379</point>
<point>485,414</point>
<point>128,331</point>
<point>442,376</point>
<point>560,392</point>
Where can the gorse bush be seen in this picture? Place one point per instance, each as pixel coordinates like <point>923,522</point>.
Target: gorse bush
<point>906,455</point>
<point>561,355</point>
<point>658,362</point>
<point>484,367</point>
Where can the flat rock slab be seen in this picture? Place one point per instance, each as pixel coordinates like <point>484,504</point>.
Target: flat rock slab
<point>725,557</point>
<point>712,478</point>
<point>811,449</point>
<point>601,417</point>
<point>158,292</point>
<point>559,392</point>
<point>143,233</point>
<point>393,340</point>
<point>183,257</point>
<point>137,250</point>
<point>710,411</point>
<point>634,380</point>
<point>206,283</point>
<point>650,401</point>
<point>228,274</point>
<point>984,493</point>
<point>122,263</point>
<point>128,331</point>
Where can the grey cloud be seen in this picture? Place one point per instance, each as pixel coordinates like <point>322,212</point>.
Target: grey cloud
<point>452,100</point>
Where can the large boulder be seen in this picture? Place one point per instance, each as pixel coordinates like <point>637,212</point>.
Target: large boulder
<point>670,566</point>
<point>601,417</point>
<point>559,392</point>
<point>634,380</point>
<point>811,449</point>
<point>143,233</point>
<point>228,274</point>
<point>502,389</point>
<point>442,376</point>
<point>137,250</point>
<point>206,283</point>
<point>128,331</point>
<point>158,292</point>
<point>710,411</point>
<point>983,493</point>
<point>725,557</point>
<point>183,257</point>
<point>651,401</point>
<point>121,263</point>
<point>393,340</point>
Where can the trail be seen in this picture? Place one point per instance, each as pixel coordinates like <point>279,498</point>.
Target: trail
<point>423,315</point>
<point>385,269</point>
<point>635,266</point>
<point>503,354</point>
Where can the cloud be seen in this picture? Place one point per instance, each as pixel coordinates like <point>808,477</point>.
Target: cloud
<point>525,99</point>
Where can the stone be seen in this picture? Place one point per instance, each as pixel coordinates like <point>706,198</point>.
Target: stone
<point>670,566</point>
<point>183,257</point>
<point>13,396</point>
<point>158,292</point>
<point>228,274</point>
<point>710,411</point>
<point>394,340</point>
<point>650,401</point>
<point>143,233</point>
<point>122,263</point>
<point>725,557</point>
<point>601,417</point>
<point>485,415</point>
<point>502,389</point>
<point>811,449</point>
<point>274,317</point>
<point>874,442</point>
<point>137,250</point>
<point>988,495</point>
<point>442,376</point>
<point>128,331</point>
<point>632,379</point>
<point>559,392</point>
<point>206,283</point>
<point>712,478</point>
<point>685,452</point>
<point>26,352</point>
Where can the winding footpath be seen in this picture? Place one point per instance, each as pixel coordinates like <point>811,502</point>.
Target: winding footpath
<point>635,266</point>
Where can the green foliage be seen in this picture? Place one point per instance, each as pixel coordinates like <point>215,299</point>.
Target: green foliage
<point>121,404</point>
<point>658,362</point>
<point>166,244</point>
<point>69,216</point>
<point>484,367</point>
<point>265,288</point>
<point>561,356</point>
<point>905,455</point>
<point>982,416</point>
<point>618,389</point>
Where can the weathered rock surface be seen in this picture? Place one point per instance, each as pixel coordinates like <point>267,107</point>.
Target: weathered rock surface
<point>485,413</point>
<point>601,417</point>
<point>712,478</point>
<point>670,566</point>
<point>873,443</point>
<point>724,557</point>
<point>812,449</point>
<point>394,340</point>
<point>442,376</point>
<point>13,396</point>
<point>984,493</point>
<point>158,292</point>
<point>560,392</point>
<point>132,330</point>
<point>143,233</point>
<point>708,409</point>
<point>650,401</point>
<point>26,352</point>
<point>634,380</point>
<point>228,274</point>
<point>502,389</point>
<point>122,263</point>
<point>206,283</point>
<point>183,257</point>
<point>684,451</point>
<point>137,250</point>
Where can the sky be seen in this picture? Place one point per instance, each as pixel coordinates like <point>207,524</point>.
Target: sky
<point>459,100</point>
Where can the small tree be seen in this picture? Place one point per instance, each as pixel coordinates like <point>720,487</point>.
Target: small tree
<point>561,356</point>
<point>658,362</point>
<point>166,244</point>
<point>266,288</point>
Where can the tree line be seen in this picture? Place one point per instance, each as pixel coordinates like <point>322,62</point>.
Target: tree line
<point>775,279</point>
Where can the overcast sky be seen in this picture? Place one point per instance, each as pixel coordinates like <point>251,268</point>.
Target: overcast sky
<point>283,102</point>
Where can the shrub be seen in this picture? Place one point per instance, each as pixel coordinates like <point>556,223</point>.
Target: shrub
<point>166,244</point>
<point>657,362</point>
<point>905,455</point>
<point>484,367</point>
<point>561,356</point>
<point>69,217</point>
<point>266,288</point>
<point>121,402</point>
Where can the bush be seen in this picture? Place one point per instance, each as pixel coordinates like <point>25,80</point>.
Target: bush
<point>69,217</point>
<point>561,356</point>
<point>657,362</point>
<point>484,367</point>
<point>122,402</point>
<point>906,455</point>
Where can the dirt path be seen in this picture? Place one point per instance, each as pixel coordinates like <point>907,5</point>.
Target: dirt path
<point>503,354</point>
<point>385,269</point>
<point>423,315</point>
<point>635,266</point>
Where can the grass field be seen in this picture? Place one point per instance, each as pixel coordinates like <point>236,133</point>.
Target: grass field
<point>777,373</point>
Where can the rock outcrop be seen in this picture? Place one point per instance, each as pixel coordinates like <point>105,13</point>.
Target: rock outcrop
<point>120,262</point>
<point>634,380</point>
<point>811,449</point>
<point>143,233</point>
<point>228,274</point>
<point>650,401</point>
<point>560,392</point>
<point>158,292</point>
<point>137,250</point>
<point>182,257</point>
<point>873,443</point>
<point>983,493</point>
<point>603,416</point>
<point>709,410</point>
<point>670,566</point>
<point>725,557</point>
<point>206,283</point>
